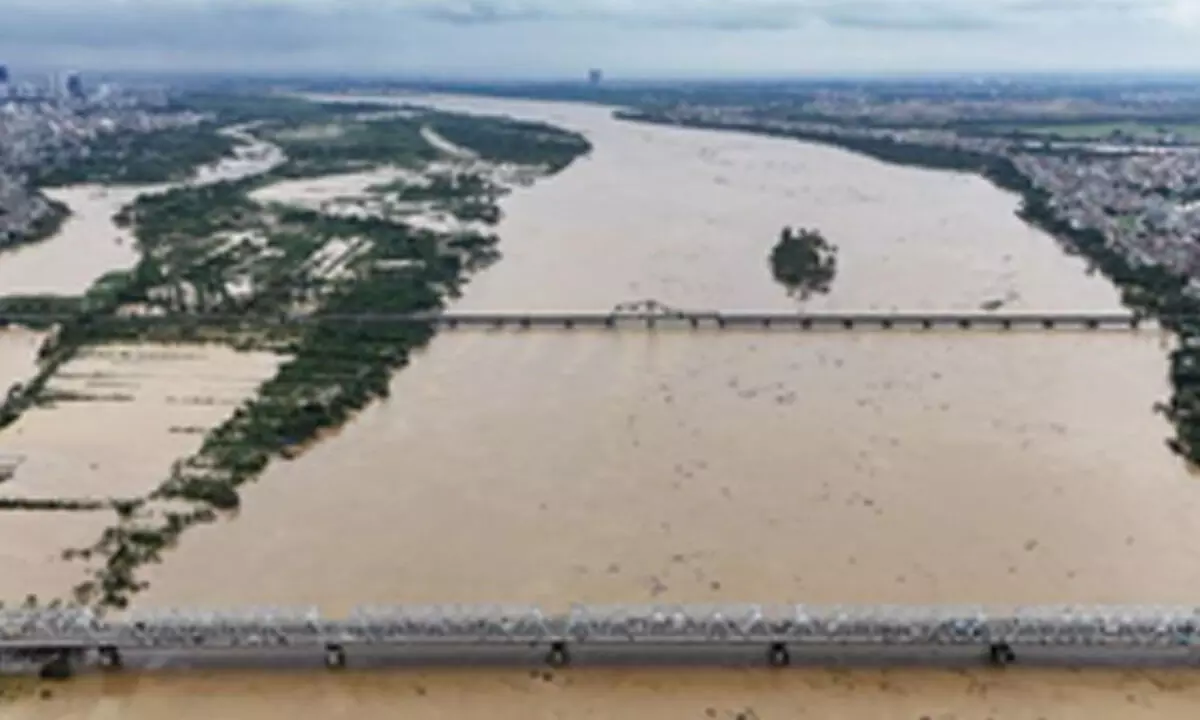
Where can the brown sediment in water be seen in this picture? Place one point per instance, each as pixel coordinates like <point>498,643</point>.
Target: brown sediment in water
<point>90,244</point>
<point>137,410</point>
<point>18,355</point>
<point>127,413</point>
<point>635,467</point>
<point>721,694</point>
<point>763,467</point>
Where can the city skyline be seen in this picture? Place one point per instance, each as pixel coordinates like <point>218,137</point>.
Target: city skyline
<point>510,39</point>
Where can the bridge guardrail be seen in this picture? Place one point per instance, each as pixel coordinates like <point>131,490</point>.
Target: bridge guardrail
<point>1132,627</point>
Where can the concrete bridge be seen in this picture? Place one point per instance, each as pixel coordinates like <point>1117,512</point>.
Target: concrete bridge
<point>58,642</point>
<point>795,321</point>
<point>518,320</point>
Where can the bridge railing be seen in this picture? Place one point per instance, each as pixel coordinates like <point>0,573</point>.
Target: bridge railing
<point>1136,627</point>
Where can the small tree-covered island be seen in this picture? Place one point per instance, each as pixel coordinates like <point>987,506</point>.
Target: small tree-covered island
<point>804,262</point>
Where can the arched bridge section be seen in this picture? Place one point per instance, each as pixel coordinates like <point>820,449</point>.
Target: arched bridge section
<point>61,641</point>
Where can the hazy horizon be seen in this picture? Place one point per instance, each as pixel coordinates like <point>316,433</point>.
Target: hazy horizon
<point>632,39</point>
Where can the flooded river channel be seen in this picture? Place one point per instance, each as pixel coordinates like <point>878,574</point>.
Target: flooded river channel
<point>554,467</point>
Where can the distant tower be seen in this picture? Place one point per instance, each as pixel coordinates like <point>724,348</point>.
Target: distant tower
<point>73,85</point>
<point>3,74</point>
<point>595,76</point>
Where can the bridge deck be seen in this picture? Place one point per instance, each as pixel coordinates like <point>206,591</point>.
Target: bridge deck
<point>798,624</point>
<point>56,642</point>
<point>715,320</point>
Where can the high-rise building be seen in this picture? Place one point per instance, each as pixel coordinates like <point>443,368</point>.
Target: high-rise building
<point>73,85</point>
<point>3,74</point>
<point>595,75</point>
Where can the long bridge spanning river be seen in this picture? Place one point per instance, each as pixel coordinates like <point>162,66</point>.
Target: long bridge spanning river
<point>653,320</point>
<point>60,641</point>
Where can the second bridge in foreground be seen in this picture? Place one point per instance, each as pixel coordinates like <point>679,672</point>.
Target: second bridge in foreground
<point>62,640</point>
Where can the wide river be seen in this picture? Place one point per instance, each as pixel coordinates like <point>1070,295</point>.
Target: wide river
<point>734,467</point>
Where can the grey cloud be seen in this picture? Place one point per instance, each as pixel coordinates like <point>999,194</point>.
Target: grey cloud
<point>263,25</point>
<point>910,16</point>
<point>528,34</point>
<point>1137,7</point>
<point>715,14</point>
<point>703,14</point>
<point>246,28</point>
<point>782,14</point>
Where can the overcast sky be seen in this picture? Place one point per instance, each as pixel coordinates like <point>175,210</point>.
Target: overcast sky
<point>627,38</point>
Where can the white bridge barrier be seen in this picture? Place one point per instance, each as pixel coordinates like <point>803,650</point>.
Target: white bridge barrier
<point>63,637</point>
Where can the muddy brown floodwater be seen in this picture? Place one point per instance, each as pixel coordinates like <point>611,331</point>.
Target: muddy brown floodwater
<point>752,467</point>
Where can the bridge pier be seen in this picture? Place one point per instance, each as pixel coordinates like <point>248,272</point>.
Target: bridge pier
<point>1048,323</point>
<point>60,667</point>
<point>1001,654</point>
<point>806,324</point>
<point>525,323</point>
<point>848,324</point>
<point>335,656</point>
<point>778,655</point>
<point>965,324</point>
<point>1093,324</point>
<point>110,657</point>
<point>926,324</point>
<point>559,656</point>
<point>886,324</point>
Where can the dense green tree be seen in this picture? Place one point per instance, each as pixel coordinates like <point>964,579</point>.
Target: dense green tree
<point>804,262</point>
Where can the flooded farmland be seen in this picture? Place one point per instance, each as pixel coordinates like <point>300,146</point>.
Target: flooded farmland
<point>768,467</point>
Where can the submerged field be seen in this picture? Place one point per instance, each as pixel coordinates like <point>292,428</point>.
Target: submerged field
<point>144,432</point>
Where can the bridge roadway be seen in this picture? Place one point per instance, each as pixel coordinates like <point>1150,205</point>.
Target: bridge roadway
<point>651,320</point>
<point>58,642</point>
